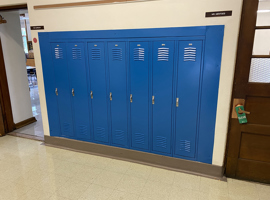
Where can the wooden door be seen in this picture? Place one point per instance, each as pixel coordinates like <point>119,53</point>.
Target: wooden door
<point>248,146</point>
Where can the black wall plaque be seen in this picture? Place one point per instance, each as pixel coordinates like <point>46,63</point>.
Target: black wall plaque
<point>218,13</point>
<point>37,27</point>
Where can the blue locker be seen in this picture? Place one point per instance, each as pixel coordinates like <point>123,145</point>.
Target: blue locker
<point>98,91</point>
<point>62,90</point>
<point>118,92</point>
<point>187,97</point>
<point>139,94</point>
<point>163,64</point>
<point>78,83</point>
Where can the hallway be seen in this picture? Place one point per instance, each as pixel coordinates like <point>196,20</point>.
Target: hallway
<point>32,171</point>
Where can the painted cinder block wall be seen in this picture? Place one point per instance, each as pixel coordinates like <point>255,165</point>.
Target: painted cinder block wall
<point>149,14</point>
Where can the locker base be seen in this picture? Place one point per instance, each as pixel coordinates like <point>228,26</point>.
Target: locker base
<point>175,164</point>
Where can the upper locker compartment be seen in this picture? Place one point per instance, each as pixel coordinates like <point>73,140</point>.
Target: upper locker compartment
<point>98,93</point>
<point>79,91</point>
<point>118,92</point>
<point>187,97</point>
<point>163,62</point>
<point>139,94</point>
<point>62,88</point>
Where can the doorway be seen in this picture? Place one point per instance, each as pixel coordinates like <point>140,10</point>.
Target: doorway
<point>21,74</point>
<point>248,146</point>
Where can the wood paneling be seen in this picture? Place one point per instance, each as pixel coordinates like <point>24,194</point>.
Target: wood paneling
<point>255,147</point>
<point>253,170</point>
<point>87,3</point>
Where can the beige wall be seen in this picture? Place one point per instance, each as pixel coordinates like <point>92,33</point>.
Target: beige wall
<point>15,64</point>
<point>151,14</point>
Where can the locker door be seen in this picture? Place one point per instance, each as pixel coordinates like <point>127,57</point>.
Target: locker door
<point>189,67</point>
<point>139,86</point>
<point>98,92</point>
<point>63,90</point>
<point>78,83</point>
<point>163,61</point>
<point>118,91</point>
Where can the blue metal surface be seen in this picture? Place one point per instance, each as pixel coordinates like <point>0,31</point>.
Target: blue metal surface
<point>163,61</point>
<point>78,82</point>
<point>160,128</point>
<point>62,83</point>
<point>118,88</point>
<point>209,90</point>
<point>188,87</point>
<point>96,56</point>
<point>139,86</point>
<point>49,83</point>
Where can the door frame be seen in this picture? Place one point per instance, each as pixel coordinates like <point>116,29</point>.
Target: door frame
<point>241,74</point>
<point>6,119</point>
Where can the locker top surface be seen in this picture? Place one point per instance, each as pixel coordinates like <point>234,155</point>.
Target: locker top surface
<point>132,33</point>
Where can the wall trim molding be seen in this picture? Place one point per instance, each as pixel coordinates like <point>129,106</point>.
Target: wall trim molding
<point>25,122</point>
<point>87,3</point>
<point>13,7</point>
<point>175,164</point>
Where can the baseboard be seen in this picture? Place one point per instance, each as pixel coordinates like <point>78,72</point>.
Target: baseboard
<point>25,122</point>
<point>176,164</point>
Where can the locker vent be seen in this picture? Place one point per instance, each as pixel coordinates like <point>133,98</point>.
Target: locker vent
<point>76,54</point>
<point>117,54</point>
<point>185,145</point>
<point>66,127</point>
<point>96,54</point>
<point>83,130</point>
<point>190,54</point>
<point>138,54</point>
<point>139,138</point>
<point>58,52</point>
<point>163,54</point>
<point>161,142</point>
<point>100,132</point>
<point>119,135</point>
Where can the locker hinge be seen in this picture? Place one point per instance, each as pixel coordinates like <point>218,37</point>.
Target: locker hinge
<point>130,98</point>
<point>56,91</point>
<point>110,96</point>
<point>91,94</point>
<point>177,102</point>
<point>153,100</point>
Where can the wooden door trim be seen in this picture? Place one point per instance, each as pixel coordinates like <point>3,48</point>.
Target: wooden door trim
<point>241,74</point>
<point>5,103</point>
<point>13,7</point>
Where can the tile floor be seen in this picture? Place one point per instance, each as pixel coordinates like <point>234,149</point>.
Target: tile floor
<point>31,171</point>
<point>35,129</point>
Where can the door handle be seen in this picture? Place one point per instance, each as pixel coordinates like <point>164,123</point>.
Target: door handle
<point>91,94</point>
<point>110,96</point>
<point>240,111</point>
<point>130,98</point>
<point>72,91</point>
<point>177,102</point>
<point>56,91</point>
<point>153,100</point>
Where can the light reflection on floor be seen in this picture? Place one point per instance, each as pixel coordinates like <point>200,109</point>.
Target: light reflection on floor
<point>37,127</point>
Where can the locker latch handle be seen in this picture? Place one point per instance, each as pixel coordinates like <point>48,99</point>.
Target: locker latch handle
<point>110,96</point>
<point>130,98</point>
<point>153,100</point>
<point>91,94</point>
<point>72,91</point>
<point>177,102</point>
<point>56,91</point>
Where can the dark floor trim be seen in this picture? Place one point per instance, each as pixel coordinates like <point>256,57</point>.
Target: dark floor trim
<point>176,164</point>
<point>27,136</point>
<point>25,122</point>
